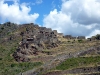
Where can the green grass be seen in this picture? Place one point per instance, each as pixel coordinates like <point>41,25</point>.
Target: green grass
<point>76,62</point>
<point>15,68</point>
<point>8,66</point>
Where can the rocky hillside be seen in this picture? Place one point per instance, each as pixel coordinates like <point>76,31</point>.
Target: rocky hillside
<point>29,45</point>
<point>35,39</point>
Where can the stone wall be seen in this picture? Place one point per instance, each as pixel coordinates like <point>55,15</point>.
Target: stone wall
<point>84,70</point>
<point>81,37</point>
<point>62,58</point>
<point>35,39</point>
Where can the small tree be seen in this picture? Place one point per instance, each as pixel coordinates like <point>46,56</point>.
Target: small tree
<point>98,36</point>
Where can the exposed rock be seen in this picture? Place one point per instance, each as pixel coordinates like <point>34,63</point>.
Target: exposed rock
<point>35,40</point>
<point>68,36</point>
<point>81,37</point>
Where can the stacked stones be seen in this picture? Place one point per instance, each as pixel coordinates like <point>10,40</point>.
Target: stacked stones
<point>81,37</point>
<point>71,37</point>
<point>35,40</point>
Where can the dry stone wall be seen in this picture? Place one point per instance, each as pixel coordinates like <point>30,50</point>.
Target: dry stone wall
<point>62,58</point>
<point>84,70</point>
<point>35,39</point>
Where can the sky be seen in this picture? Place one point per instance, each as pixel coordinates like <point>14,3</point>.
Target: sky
<point>71,17</point>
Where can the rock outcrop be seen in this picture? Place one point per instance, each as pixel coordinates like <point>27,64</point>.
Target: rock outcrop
<point>34,40</point>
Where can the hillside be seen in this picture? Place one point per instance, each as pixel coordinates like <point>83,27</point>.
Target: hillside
<point>31,50</point>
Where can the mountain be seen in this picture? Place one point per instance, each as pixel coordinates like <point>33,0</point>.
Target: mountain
<point>29,49</point>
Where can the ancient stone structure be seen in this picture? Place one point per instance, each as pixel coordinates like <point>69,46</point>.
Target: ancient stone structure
<point>97,37</point>
<point>34,40</point>
<point>68,36</point>
<point>63,57</point>
<point>60,35</point>
<point>83,70</point>
<point>81,37</point>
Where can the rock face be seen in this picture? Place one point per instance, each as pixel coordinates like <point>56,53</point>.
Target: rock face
<point>35,40</point>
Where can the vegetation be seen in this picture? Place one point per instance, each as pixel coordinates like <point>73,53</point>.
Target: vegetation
<point>11,68</point>
<point>80,41</point>
<point>8,65</point>
<point>11,35</point>
<point>77,62</point>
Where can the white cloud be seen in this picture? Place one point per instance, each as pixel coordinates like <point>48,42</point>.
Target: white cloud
<point>82,11</point>
<point>76,17</point>
<point>17,13</point>
<point>36,2</point>
<point>39,1</point>
<point>53,4</point>
<point>95,32</point>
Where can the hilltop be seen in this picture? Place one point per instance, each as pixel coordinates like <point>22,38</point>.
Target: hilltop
<point>29,49</point>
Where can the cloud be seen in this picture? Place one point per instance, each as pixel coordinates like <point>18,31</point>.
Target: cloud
<point>17,13</point>
<point>36,2</point>
<point>95,32</point>
<point>39,1</point>
<point>82,11</point>
<point>76,17</point>
<point>53,4</point>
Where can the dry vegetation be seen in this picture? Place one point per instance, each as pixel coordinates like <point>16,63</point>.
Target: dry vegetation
<point>8,66</point>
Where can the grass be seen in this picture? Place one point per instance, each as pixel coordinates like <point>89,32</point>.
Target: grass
<point>15,68</point>
<point>76,62</point>
<point>8,66</point>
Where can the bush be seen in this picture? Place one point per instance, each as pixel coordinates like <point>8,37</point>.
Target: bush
<point>13,65</point>
<point>0,58</point>
<point>68,41</point>
<point>80,41</point>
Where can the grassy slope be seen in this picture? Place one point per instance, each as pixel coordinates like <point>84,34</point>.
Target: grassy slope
<point>85,61</point>
<point>78,62</point>
<point>8,66</point>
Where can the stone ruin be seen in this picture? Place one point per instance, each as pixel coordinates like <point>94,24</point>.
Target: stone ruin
<point>60,35</point>
<point>97,37</point>
<point>35,40</point>
<point>68,36</point>
<point>84,70</point>
<point>72,37</point>
<point>81,37</point>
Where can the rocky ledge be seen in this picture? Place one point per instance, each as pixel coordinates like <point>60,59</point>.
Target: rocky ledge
<point>34,40</point>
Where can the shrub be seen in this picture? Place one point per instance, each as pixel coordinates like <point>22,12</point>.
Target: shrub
<point>80,40</point>
<point>68,41</point>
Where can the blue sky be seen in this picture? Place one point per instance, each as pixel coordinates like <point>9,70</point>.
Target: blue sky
<point>74,17</point>
<point>43,7</point>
